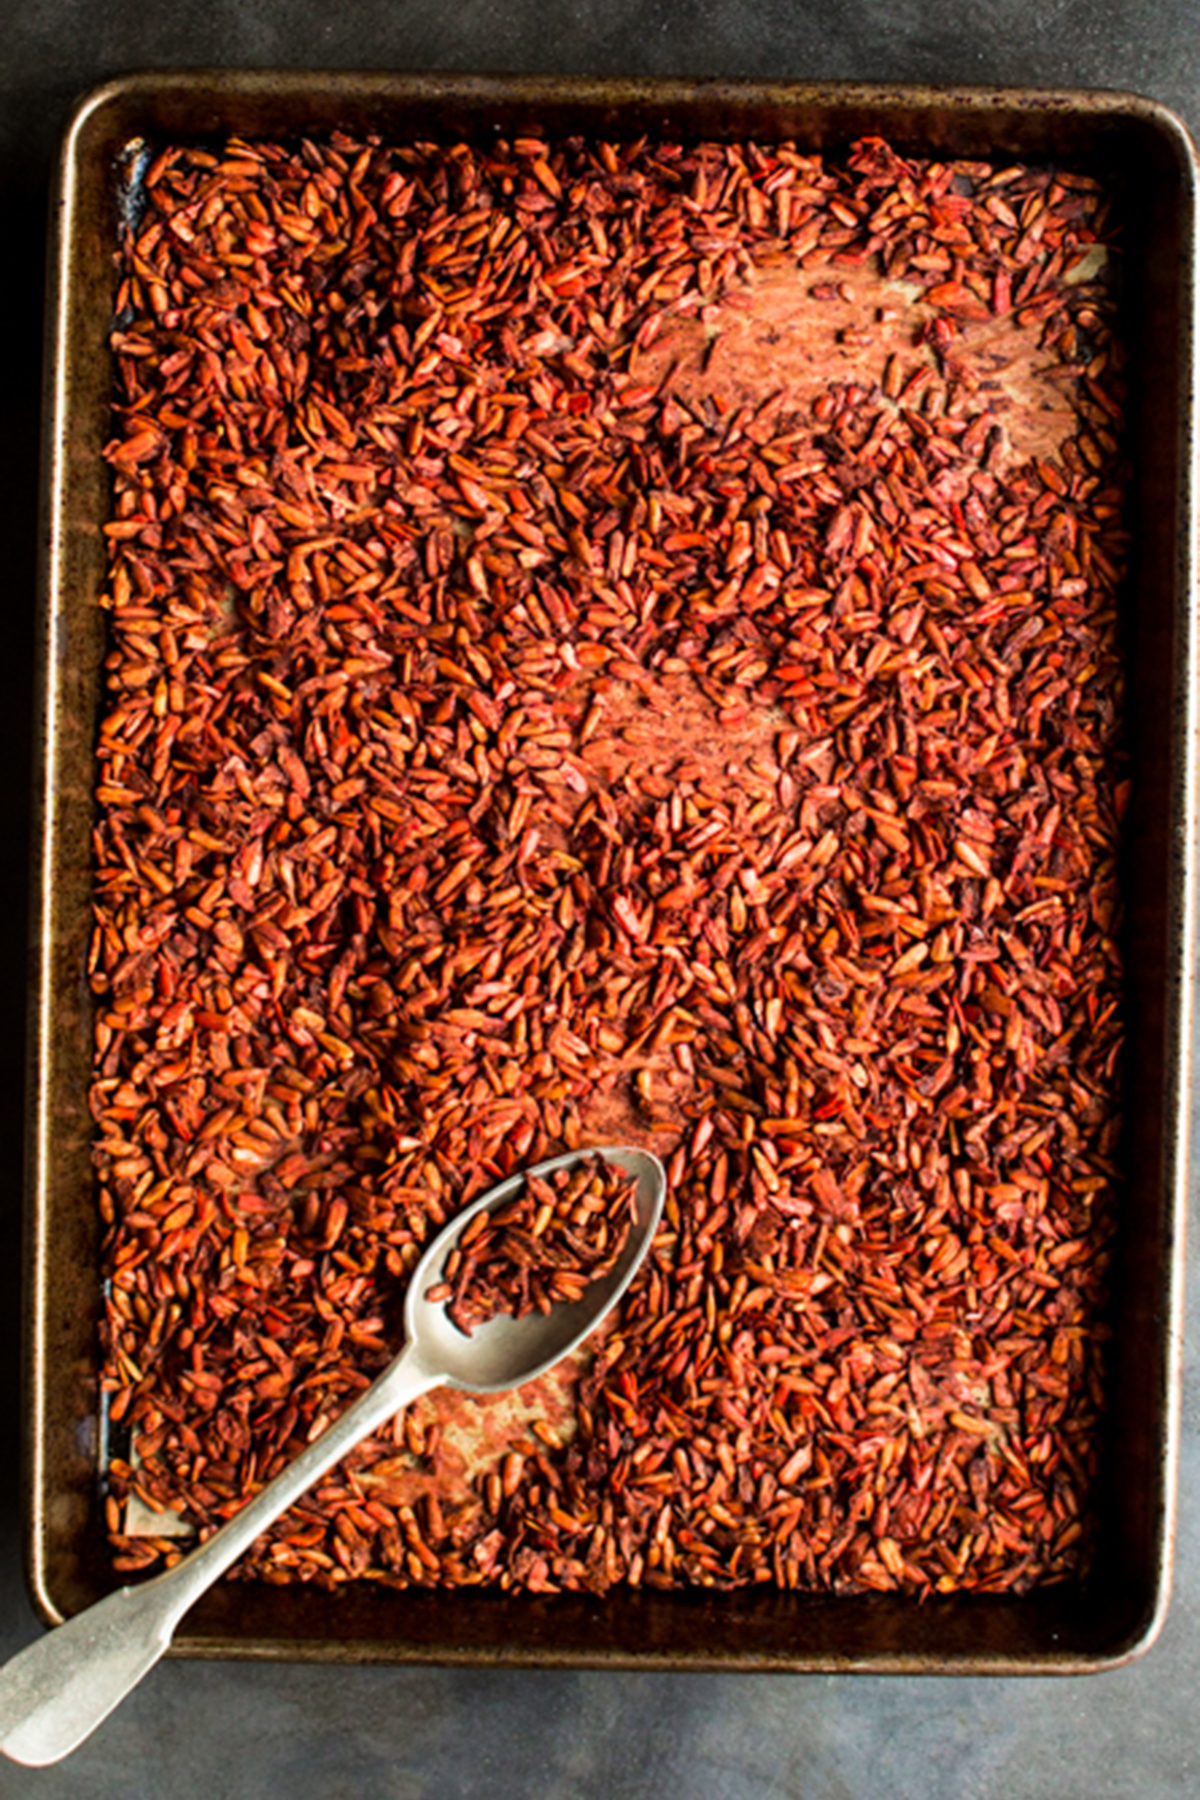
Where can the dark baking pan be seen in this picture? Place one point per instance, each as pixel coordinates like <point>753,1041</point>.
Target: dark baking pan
<point>1144,154</point>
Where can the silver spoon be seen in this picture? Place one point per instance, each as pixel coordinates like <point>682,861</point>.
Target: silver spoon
<point>55,1692</point>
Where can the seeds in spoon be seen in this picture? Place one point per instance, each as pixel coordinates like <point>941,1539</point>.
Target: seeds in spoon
<point>562,1232</point>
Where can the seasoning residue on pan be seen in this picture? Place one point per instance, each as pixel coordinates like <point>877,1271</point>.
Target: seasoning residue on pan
<point>616,633</point>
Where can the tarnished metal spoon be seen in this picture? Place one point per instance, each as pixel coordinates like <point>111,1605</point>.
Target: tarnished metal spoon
<point>55,1692</point>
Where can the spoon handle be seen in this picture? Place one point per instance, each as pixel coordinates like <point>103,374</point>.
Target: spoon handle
<point>55,1692</point>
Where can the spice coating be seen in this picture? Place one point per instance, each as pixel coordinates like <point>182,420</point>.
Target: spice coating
<point>562,1231</point>
<point>499,745</point>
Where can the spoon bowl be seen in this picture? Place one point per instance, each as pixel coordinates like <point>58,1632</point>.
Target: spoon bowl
<point>504,1352</point>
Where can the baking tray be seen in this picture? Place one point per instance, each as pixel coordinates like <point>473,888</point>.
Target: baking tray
<point>1144,153</point>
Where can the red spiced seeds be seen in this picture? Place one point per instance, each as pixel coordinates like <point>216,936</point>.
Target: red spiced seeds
<point>616,642</point>
<point>564,1230</point>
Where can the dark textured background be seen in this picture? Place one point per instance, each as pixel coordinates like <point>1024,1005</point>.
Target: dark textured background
<point>234,1730</point>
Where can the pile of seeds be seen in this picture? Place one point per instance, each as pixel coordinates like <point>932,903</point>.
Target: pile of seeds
<point>502,754</point>
<point>563,1231</point>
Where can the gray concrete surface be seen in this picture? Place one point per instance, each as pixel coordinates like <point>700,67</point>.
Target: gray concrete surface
<point>236,1732</point>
